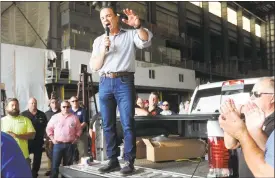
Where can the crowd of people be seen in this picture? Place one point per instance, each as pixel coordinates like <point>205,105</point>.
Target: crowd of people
<point>154,107</point>
<point>113,57</point>
<point>62,132</point>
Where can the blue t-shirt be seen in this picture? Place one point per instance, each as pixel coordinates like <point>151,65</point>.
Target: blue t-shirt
<point>269,151</point>
<point>13,163</point>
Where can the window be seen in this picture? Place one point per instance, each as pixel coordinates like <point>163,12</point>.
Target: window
<point>232,16</point>
<point>170,54</point>
<point>246,24</point>
<point>211,94</point>
<point>66,38</point>
<point>152,74</point>
<point>196,3</point>
<point>215,8</point>
<point>258,30</point>
<point>167,18</point>
<point>147,56</point>
<point>66,64</point>
<point>181,78</point>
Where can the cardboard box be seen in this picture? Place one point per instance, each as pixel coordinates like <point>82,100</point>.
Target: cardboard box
<point>174,149</point>
<point>141,149</point>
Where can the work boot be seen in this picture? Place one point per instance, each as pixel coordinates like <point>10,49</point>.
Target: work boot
<point>128,168</point>
<point>113,165</point>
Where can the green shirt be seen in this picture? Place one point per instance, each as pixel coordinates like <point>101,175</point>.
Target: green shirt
<point>18,125</point>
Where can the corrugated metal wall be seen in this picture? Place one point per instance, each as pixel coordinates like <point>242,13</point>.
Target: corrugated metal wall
<point>15,26</point>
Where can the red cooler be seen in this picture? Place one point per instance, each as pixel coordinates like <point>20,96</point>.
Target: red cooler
<point>218,155</point>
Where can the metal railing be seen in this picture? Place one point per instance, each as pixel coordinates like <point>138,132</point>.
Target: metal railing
<point>222,69</point>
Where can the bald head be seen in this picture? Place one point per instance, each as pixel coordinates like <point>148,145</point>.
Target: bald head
<point>266,84</point>
<point>32,104</point>
<point>264,97</point>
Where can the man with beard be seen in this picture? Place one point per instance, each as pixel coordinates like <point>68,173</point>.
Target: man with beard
<point>54,109</point>
<point>19,127</point>
<point>39,121</point>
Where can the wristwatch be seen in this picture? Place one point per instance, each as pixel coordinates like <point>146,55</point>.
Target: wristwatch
<point>138,27</point>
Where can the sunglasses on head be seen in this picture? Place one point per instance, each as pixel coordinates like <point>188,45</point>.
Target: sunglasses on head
<point>65,107</point>
<point>258,94</point>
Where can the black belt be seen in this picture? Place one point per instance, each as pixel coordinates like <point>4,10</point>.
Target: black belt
<point>116,74</point>
<point>64,142</point>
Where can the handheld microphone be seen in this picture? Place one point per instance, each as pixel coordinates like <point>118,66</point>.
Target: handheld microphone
<point>107,32</point>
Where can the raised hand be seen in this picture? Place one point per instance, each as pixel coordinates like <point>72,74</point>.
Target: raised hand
<point>230,120</point>
<point>133,19</point>
<point>254,117</point>
<point>229,108</point>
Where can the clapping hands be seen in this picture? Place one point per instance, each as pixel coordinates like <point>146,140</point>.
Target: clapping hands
<point>230,120</point>
<point>254,117</point>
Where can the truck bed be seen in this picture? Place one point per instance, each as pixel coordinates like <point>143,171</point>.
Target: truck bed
<point>144,168</point>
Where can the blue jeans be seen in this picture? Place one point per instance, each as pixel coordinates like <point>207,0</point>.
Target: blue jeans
<point>119,92</point>
<point>61,151</point>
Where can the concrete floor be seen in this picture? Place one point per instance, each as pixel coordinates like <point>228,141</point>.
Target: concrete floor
<point>44,165</point>
<point>186,166</point>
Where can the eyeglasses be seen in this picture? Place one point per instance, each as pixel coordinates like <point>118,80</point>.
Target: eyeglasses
<point>66,107</point>
<point>258,94</point>
<point>74,101</point>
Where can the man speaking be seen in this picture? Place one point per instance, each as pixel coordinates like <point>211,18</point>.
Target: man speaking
<point>113,56</point>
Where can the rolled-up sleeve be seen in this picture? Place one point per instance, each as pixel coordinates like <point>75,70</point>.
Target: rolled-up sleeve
<point>142,43</point>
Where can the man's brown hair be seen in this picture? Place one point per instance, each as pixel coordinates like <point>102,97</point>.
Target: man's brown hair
<point>12,99</point>
<point>156,94</point>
